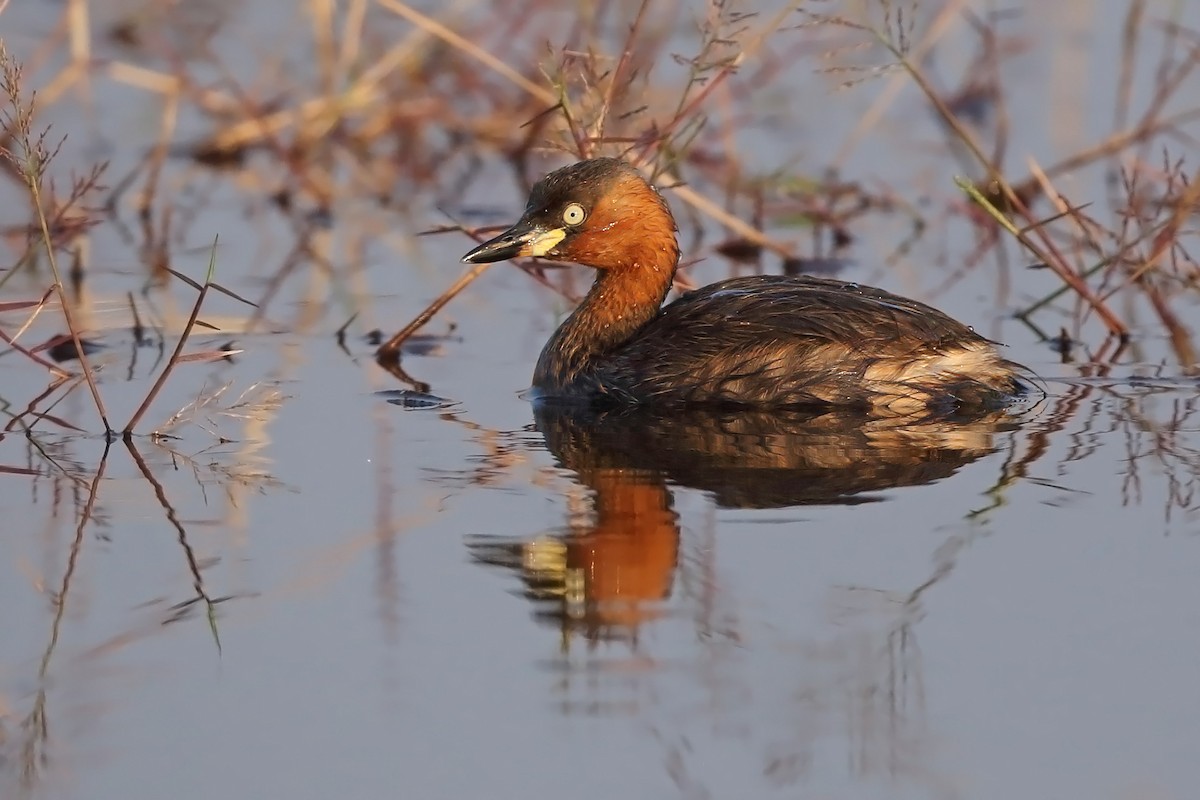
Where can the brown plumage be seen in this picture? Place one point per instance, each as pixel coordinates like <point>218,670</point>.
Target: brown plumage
<point>763,341</point>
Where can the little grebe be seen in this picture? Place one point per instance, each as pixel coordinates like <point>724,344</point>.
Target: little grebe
<point>762,341</point>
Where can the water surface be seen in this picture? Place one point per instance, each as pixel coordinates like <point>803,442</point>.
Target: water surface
<point>313,592</point>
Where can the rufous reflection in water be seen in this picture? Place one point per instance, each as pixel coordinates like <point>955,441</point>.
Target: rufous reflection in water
<point>605,576</point>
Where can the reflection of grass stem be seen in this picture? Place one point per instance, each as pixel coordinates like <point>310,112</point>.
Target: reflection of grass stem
<point>36,722</point>
<point>189,553</point>
<point>31,409</point>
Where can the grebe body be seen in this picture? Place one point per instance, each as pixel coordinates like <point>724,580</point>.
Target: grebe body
<point>763,341</point>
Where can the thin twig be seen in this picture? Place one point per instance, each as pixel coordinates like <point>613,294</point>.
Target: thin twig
<point>390,350</point>
<point>1046,252</point>
<point>174,359</point>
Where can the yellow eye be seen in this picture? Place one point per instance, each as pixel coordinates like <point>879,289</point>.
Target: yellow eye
<point>574,214</point>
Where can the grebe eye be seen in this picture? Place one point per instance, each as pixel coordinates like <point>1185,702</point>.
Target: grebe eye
<point>574,214</point>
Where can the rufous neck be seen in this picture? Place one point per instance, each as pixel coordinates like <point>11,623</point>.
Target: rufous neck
<point>621,301</point>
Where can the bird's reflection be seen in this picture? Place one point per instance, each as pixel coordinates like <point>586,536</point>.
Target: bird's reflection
<point>609,571</point>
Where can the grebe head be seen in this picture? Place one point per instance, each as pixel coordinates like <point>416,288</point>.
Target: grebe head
<point>600,213</point>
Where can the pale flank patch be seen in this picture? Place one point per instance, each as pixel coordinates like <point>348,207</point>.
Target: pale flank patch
<point>978,361</point>
<point>903,387</point>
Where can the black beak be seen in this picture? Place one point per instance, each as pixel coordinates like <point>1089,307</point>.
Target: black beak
<point>522,239</point>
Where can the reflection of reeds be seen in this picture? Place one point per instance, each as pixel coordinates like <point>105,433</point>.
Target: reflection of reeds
<point>623,565</point>
<point>611,570</point>
<point>28,744</point>
<point>35,744</point>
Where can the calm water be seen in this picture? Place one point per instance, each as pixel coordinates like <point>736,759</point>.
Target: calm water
<point>313,592</point>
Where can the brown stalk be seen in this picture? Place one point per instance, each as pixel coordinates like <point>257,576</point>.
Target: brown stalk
<point>946,15</point>
<point>1180,336</point>
<point>459,42</point>
<point>390,350</point>
<point>293,259</point>
<point>548,98</point>
<point>364,93</point>
<point>1129,46</point>
<point>323,15</point>
<point>352,30</point>
<point>1046,252</point>
<point>1107,261</point>
<point>158,155</point>
<point>688,106</point>
<point>1150,124</point>
<point>32,166</point>
<point>175,356</point>
<point>618,72</point>
<point>54,369</point>
<point>37,306</point>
